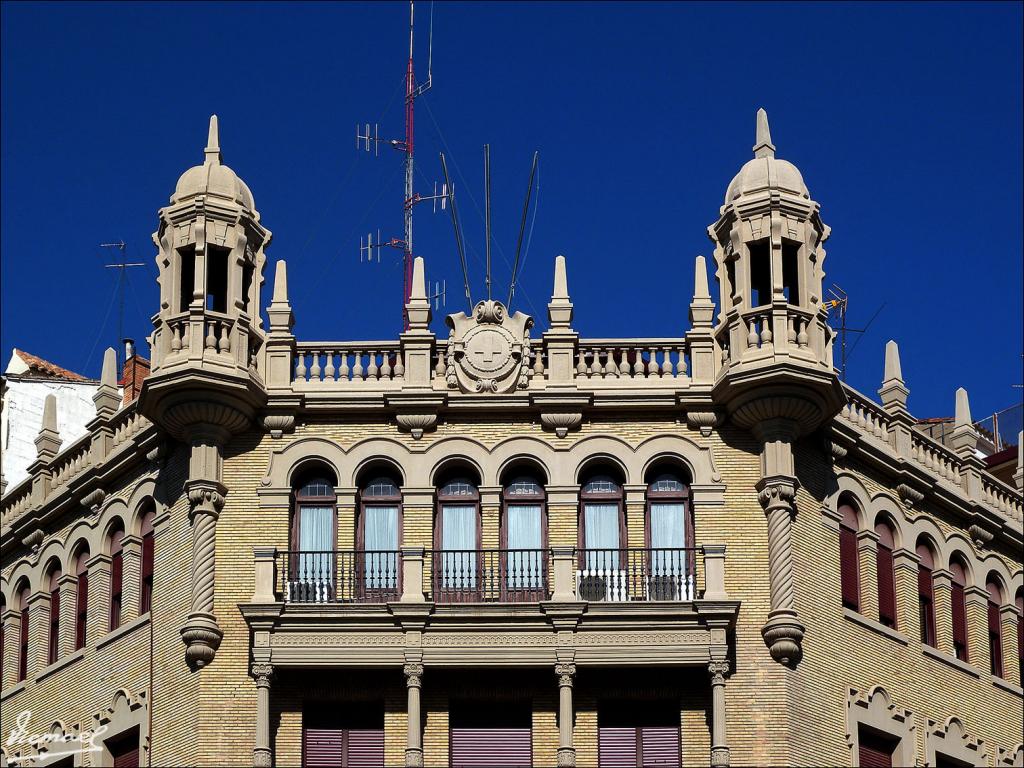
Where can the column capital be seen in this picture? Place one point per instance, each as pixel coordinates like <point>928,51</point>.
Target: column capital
<point>566,671</point>
<point>718,669</point>
<point>262,672</point>
<point>413,672</point>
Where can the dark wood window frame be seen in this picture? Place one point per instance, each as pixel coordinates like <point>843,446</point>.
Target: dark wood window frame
<point>678,497</point>
<point>995,635</point>
<point>462,500</point>
<point>53,641</point>
<point>300,500</point>
<point>148,556</point>
<point>116,578</point>
<point>886,571</point>
<point>510,499</point>
<point>23,634</point>
<point>961,646</point>
<point>366,502</point>
<point>849,561</point>
<point>926,604</point>
<point>618,497</point>
<point>81,599</point>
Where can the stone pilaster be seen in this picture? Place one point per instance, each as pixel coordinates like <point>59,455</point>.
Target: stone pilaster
<point>636,509</point>
<point>490,513</point>
<point>12,640</point>
<point>38,632</point>
<point>97,623</point>
<point>977,627</point>
<point>414,735</point>
<point>261,755</point>
<point>718,669</point>
<point>942,595</point>
<point>131,580</point>
<point>566,751</point>
<point>908,619</point>
<point>867,562</point>
<point>1008,618</point>
<point>783,632</point>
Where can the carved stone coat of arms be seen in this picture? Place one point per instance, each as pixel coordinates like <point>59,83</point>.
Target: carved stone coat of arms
<point>488,351</point>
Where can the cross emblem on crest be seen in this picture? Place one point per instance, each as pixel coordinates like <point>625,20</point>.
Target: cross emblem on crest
<point>487,348</point>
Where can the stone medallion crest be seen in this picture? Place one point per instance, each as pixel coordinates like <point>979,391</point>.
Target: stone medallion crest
<point>486,349</point>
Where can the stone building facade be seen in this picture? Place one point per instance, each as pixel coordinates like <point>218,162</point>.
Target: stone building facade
<point>504,545</point>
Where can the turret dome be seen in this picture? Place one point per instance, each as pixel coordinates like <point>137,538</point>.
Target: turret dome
<point>212,177</point>
<point>766,171</point>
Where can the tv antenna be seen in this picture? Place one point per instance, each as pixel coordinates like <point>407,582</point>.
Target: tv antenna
<point>368,139</point>
<point>122,279</point>
<point>841,300</point>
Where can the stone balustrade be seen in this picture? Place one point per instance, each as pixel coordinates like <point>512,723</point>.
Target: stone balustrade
<point>327,364</point>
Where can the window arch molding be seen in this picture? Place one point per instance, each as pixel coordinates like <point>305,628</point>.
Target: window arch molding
<point>848,490</point>
<point>895,523</point>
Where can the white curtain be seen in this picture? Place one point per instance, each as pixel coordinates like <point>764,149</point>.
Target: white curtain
<point>668,532</point>
<point>601,531</point>
<point>316,535</point>
<point>522,525</point>
<point>458,533</point>
<point>380,538</point>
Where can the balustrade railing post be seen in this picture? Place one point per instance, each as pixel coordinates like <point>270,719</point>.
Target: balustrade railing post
<point>412,575</point>
<point>714,572</point>
<point>264,559</point>
<point>564,585</point>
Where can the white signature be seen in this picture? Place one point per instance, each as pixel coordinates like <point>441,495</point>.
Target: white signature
<point>21,737</point>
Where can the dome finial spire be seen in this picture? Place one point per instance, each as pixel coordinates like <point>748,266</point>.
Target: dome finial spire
<point>212,150</point>
<point>763,146</point>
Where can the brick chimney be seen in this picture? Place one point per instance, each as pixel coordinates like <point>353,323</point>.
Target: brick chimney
<point>134,372</point>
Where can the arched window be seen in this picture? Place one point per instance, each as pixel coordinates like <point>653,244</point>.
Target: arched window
<point>886,574</point>
<point>524,539</point>
<point>378,537</point>
<point>148,554</point>
<point>959,573</point>
<point>669,537</point>
<point>314,538</point>
<point>849,568</point>
<point>1020,634</point>
<point>995,637</point>
<point>22,603</point>
<point>3,610</point>
<point>53,648</point>
<point>457,536</point>
<point>602,534</point>
<point>116,576</point>
<point>926,593</point>
<point>81,596</point>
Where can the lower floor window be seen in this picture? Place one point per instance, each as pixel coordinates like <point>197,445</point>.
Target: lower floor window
<point>876,749</point>
<point>124,749</point>
<point>633,734</point>
<point>349,734</point>
<point>490,733</point>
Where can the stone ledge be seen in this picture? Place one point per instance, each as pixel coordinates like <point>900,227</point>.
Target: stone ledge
<point>121,631</point>
<point>952,661</point>
<point>59,664</point>
<point>1006,685</point>
<point>14,689</point>
<point>875,626</point>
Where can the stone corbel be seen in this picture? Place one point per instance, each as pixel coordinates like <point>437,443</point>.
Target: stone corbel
<point>910,495</point>
<point>279,423</point>
<point>560,412</point>
<point>33,541</point>
<point>416,413</point>
<point>94,500</point>
<point>560,422</point>
<point>705,421</point>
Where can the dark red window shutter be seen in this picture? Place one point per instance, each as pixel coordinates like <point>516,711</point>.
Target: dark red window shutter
<point>23,646</point>
<point>848,570</point>
<point>959,622</point>
<point>926,603</point>
<point>54,626</point>
<point>875,750</point>
<point>146,600</point>
<point>995,641</point>
<point>81,610</point>
<point>116,584</point>
<point>125,750</point>
<point>886,587</point>
<point>1020,643</point>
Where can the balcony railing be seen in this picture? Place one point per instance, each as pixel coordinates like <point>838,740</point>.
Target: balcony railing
<point>640,574</point>
<point>621,575</point>
<point>489,575</point>
<point>339,577</point>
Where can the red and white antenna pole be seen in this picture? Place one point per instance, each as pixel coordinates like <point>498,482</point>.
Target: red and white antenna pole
<point>410,101</point>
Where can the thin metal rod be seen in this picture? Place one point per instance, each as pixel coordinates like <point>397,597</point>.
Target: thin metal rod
<point>522,228</point>
<point>458,232</point>
<point>487,213</point>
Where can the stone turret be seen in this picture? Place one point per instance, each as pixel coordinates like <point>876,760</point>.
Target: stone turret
<point>209,349</point>
<point>776,376</point>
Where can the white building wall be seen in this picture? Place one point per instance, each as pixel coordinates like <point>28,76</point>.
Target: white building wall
<point>22,415</point>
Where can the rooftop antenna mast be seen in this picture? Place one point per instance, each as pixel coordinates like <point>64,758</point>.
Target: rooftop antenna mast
<point>122,278</point>
<point>841,300</point>
<point>406,146</point>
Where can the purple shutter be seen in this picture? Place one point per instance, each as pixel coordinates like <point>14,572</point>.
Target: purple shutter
<point>659,745</point>
<point>322,747</point>
<point>616,747</point>
<point>477,747</point>
<point>365,748</point>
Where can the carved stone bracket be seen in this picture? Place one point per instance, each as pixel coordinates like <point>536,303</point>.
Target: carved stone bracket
<point>560,422</point>
<point>416,423</point>
<point>911,496</point>
<point>980,535</point>
<point>783,632</point>
<point>94,500</point>
<point>279,423</point>
<point>705,421</point>
<point>33,541</point>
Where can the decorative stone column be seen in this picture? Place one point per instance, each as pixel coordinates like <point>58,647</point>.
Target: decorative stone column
<point>718,669</point>
<point>131,581</point>
<point>262,673</point>
<point>566,751</point>
<point>414,738</point>
<point>201,633</point>
<point>783,632</point>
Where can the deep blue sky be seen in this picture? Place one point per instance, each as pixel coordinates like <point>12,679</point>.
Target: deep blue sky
<point>904,119</point>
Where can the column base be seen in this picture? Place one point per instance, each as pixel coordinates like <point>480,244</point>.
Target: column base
<point>261,758</point>
<point>413,758</point>
<point>783,634</point>
<point>566,757</point>
<point>202,637</point>
<point>720,757</point>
